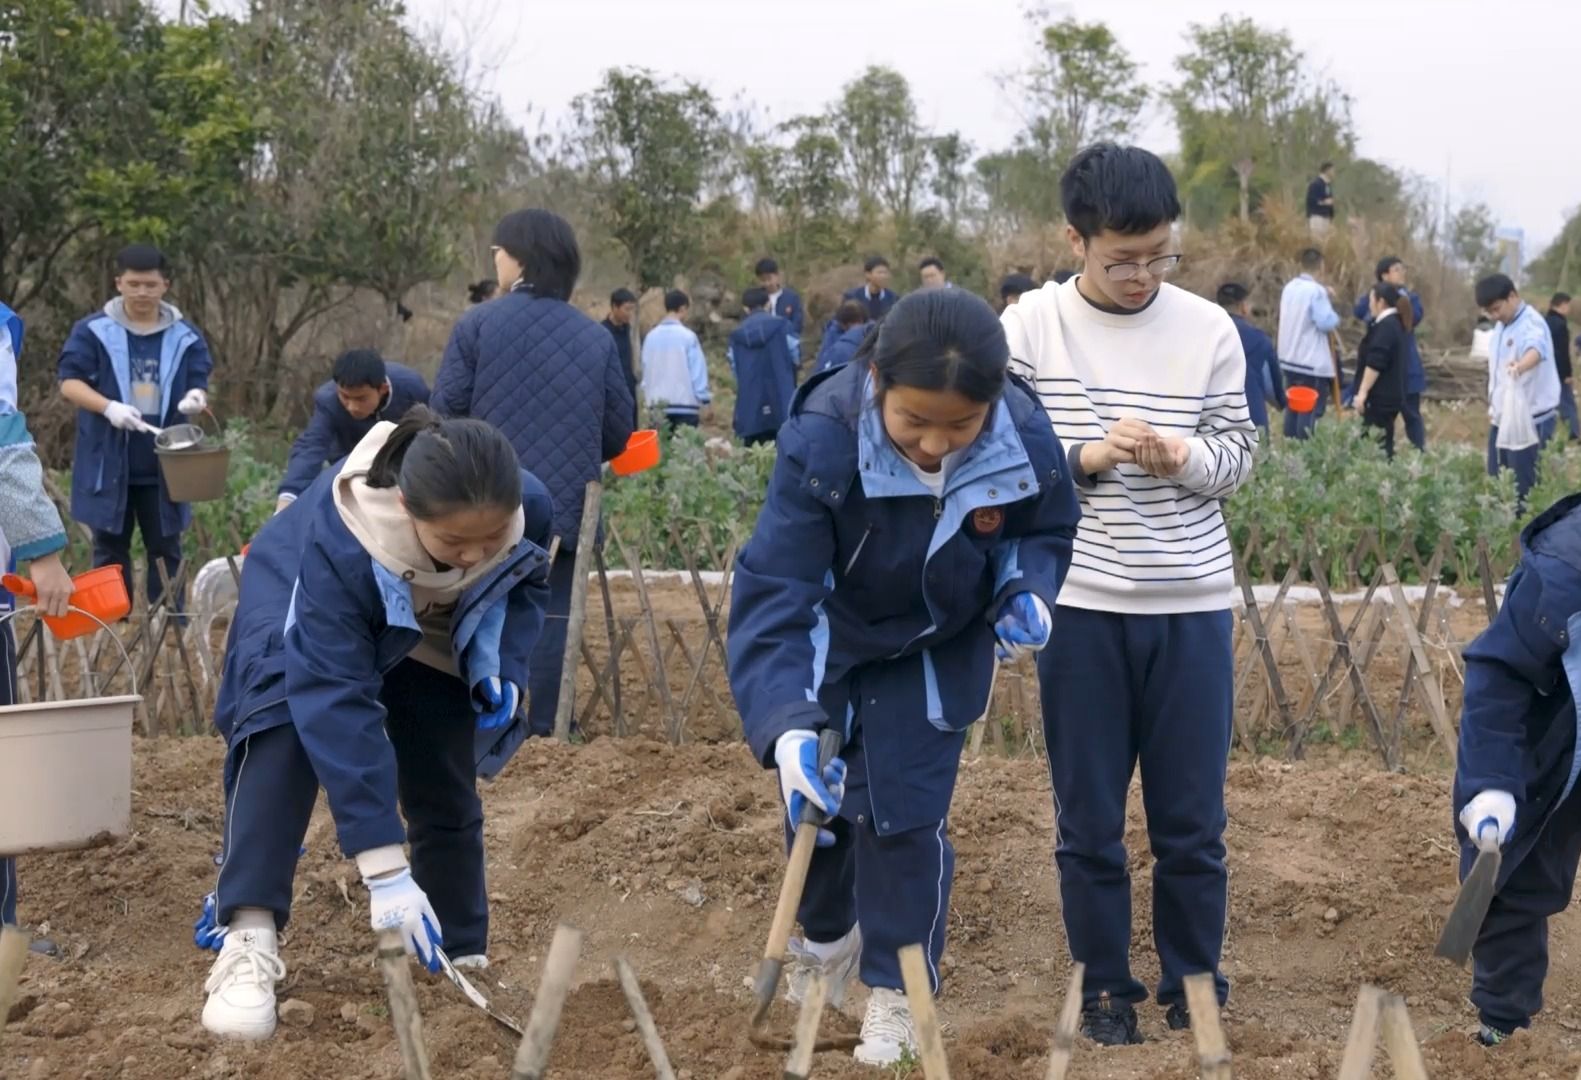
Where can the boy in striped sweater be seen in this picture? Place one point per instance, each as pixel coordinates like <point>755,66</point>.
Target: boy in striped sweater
<point>1146,387</point>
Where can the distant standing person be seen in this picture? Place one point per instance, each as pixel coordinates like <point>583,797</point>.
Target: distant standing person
<point>1013,287</point>
<point>549,378</point>
<point>931,272</point>
<point>363,389</point>
<point>1320,202</point>
<point>763,356</point>
<point>483,291</point>
<point>1306,318</point>
<point>1559,326</point>
<point>1384,360</point>
<point>1520,356</point>
<point>852,324</point>
<point>1391,271</point>
<point>130,369</point>
<point>674,369</point>
<point>874,291</point>
<point>1263,379</point>
<point>784,301</point>
<point>620,324</point>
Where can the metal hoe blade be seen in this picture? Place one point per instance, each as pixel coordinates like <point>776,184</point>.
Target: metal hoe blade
<point>1470,909</point>
<point>474,995</point>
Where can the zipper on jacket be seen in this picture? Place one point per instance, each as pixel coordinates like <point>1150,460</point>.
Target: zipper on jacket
<point>857,554</point>
<point>938,509</point>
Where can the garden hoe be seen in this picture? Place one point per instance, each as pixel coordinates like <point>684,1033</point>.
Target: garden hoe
<point>474,995</point>
<point>773,963</point>
<point>1471,905</point>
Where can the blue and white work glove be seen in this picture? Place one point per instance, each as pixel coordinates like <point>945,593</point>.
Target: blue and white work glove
<point>1489,818</point>
<point>500,699</point>
<point>796,755</point>
<point>207,933</point>
<point>1023,626</point>
<point>192,403</point>
<point>399,904</point>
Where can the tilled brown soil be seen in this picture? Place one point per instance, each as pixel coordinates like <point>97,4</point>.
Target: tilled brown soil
<point>1340,874</point>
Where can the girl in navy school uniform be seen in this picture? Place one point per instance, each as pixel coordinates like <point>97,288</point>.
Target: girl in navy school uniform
<point>920,517</point>
<point>379,645</point>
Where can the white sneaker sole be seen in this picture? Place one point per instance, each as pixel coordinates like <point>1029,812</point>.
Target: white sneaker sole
<point>881,1054</point>
<point>234,1028</point>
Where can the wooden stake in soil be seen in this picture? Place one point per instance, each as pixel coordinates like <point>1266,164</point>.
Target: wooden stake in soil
<point>13,954</point>
<point>645,1025</point>
<point>565,708</point>
<point>1399,1038</point>
<point>397,971</point>
<point>1357,1062</point>
<point>1065,1028</point>
<point>532,1056</point>
<point>919,995</point>
<point>799,1065</point>
<point>1213,1053</point>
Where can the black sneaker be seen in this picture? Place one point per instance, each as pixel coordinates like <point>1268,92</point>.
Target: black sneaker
<point>1108,1023</point>
<point>1489,1035</point>
<point>1178,1018</point>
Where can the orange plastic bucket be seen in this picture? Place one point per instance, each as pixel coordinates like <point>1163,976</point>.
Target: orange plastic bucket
<point>1301,399</point>
<point>99,594</point>
<point>640,455</point>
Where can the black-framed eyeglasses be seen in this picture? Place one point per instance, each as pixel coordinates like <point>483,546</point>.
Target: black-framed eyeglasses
<point>1160,267</point>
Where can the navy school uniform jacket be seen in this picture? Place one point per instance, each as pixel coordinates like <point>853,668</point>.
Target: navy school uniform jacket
<point>1518,724</point>
<point>840,348</point>
<point>332,432</point>
<point>859,588</point>
<point>765,370</point>
<point>1415,373</point>
<point>877,306</point>
<point>97,352</point>
<point>789,307</point>
<point>1262,370</point>
<point>318,622</point>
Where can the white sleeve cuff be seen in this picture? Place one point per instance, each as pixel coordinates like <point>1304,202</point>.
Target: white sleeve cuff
<point>1195,475</point>
<point>1042,610</point>
<point>380,860</point>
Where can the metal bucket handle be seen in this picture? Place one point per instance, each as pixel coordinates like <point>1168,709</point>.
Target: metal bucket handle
<point>131,670</point>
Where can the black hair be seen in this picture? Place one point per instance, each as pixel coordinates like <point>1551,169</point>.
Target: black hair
<point>931,260</point>
<point>1559,298</point>
<point>766,266</point>
<point>545,245</point>
<point>754,298</point>
<point>940,339</point>
<point>360,367</point>
<point>1311,258</point>
<point>442,466</point>
<point>675,300</point>
<point>622,296</point>
<point>1122,189</point>
<point>873,262</point>
<point>483,290</point>
<point>1232,293</point>
<point>1385,264</point>
<point>1325,167</point>
<point>1062,276</point>
<point>1398,299</point>
<point>1494,287</point>
<point>1015,285</point>
<point>851,313</point>
<point>140,258</point>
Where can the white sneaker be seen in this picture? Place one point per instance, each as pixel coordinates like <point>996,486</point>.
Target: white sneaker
<point>470,962</point>
<point>241,986</point>
<point>887,1030</point>
<point>836,961</point>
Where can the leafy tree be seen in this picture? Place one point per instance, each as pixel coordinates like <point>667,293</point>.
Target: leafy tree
<point>887,152</point>
<point>802,180</point>
<point>1558,268</point>
<point>1471,239</point>
<point>951,182</point>
<point>648,149</point>
<point>1081,88</point>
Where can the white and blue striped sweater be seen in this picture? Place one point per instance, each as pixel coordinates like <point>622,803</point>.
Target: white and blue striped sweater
<point>1145,544</point>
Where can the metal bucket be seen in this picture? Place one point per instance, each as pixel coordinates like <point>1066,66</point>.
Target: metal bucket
<point>194,471</point>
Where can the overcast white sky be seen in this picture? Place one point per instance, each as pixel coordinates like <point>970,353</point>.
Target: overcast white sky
<point>1481,92</point>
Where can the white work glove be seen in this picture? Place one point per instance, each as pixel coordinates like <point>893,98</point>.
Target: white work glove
<point>398,904</point>
<point>194,402</point>
<point>126,418</point>
<point>1023,626</point>
<point>1489,818</point>
<point>796,755</point>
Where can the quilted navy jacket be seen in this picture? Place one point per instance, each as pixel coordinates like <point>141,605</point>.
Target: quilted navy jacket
<point>549,378</point>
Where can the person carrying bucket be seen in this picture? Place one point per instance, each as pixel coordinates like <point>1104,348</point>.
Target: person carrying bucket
<point>30,531</point>
<point>380,645</point>
<point>920,518</point>
<point>131,369</point>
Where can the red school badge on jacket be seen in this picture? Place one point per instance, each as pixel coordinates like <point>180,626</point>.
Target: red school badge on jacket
<point>987,520</point>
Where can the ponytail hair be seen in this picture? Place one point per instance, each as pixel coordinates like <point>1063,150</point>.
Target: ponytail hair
<point>940,339</point>
<point>1398,299</point>
<point>442,466</point>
